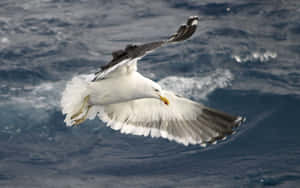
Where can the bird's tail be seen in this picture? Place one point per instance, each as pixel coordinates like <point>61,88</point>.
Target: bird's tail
<point>74,101</point>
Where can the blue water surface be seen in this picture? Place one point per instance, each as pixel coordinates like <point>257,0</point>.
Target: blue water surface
<point>243,59</point>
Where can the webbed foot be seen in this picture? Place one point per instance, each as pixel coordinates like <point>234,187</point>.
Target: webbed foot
<point>85,102</point>
<point>82,119</point>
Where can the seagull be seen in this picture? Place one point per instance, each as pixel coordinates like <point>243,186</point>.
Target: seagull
<point>133,104</point>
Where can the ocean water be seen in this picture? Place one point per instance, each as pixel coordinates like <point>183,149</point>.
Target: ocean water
<point>243,59</point>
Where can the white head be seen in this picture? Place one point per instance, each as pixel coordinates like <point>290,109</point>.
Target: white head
<point>155,91</point>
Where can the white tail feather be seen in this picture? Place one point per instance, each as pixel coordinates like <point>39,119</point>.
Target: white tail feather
<point>73,98</point>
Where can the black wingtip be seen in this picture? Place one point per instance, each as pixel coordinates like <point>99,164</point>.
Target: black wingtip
<point>185,31</point>
<point>193,20</point>
<point>225,124</point>
<point>137,51</point>
<point>240,120</point>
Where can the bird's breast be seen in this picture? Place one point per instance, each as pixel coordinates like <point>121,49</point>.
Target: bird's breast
<point>114,90</point>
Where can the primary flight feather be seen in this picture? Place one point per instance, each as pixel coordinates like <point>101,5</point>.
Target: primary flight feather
<point>134,104</point>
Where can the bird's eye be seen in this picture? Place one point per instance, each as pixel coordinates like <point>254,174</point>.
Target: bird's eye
<point>156,90</point>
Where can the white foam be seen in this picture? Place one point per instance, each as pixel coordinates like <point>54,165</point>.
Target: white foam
<point>4,43</point>
<point>46,95</point>
<point>254,56</point>
<point>5,40</point>
<point>197,87</point>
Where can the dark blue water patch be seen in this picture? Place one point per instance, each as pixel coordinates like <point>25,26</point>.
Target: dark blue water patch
<point>225,97</point>
<point>183,67</point>
<point>23,124</point>
<point>67,1</point>
<point>203,64</point>
<point>3,154</point>
<point>53,126</point>
<point>180,64</point>
<point>147,13</point>
<point>14,54</point>
<point>296,29</point>
<point>56,22</point>
<point>201,40</point>
<point>124,170</point>
<point>20,120</point>
<point>273,181</point>
<point>10,9</point>
<point>4,27</point>
<point>35,160</point>
<point>252,9</point>
<point>37,27</point>
<point>4,136</point>
<point>55,122</point>
<point>278,36</point>
<point>217,9</point>
<point>27,54</point>
<point>127,168</point>
<point>87,149</point>
<point>293,79</point>
<point>264,76</point>
<point>276,115</point>
<point>94,21</point>
<point>280,25</point>
<point>279,13</point>
<point>47,49</point>
<point>23,75</point>
<point>5,177</point>
<point>229,32</point>
<point>294,48</point>
<point>76,65</point>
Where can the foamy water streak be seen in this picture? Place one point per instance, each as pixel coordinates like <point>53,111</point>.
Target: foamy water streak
<point>198,87</point>
<point>45,96</point>
<point>255,56</point>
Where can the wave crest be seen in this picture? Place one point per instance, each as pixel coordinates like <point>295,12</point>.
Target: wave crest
<point>198,87</point>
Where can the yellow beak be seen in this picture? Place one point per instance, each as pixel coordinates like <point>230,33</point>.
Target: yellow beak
<point>165,100</point>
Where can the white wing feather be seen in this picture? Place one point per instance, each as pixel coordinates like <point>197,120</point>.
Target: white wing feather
<point>183,120</point>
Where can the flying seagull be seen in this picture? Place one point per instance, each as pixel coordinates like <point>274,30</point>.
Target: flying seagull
<point>134,104</point>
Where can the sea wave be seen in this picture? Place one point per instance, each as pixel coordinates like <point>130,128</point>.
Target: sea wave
<point>255,56</point>
<point>198,87</point>
<point>45,95</point>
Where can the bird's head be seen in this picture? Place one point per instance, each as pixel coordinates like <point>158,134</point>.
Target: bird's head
<point>158,93</point>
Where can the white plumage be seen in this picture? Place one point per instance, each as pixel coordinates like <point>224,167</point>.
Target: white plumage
<point>133,104</point>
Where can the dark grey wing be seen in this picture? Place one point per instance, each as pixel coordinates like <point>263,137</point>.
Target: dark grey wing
<point>185,31</point>
<point>132,53</point>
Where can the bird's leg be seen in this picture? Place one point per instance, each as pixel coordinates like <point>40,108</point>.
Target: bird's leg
<point>85,101</point>
<point>78,121</point>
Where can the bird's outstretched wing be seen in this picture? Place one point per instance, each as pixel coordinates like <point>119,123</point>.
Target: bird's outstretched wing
<point>126,59</point>
<point>183,120</point>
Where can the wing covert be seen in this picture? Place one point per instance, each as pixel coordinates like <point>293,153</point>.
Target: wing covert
<point>134,52</point>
